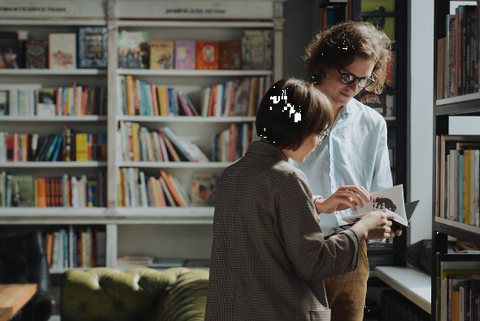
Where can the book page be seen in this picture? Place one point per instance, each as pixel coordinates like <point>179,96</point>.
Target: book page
<point>390,199</point>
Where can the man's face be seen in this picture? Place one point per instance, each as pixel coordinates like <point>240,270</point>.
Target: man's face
<point>340,93</point>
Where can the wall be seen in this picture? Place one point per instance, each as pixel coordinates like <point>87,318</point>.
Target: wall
<point>420,117</point>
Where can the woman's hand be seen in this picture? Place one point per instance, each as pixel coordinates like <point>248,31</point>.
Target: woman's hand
<point>345,197</point>
<point>376,225</point>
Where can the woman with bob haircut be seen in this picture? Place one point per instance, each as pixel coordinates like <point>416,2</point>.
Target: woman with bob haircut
<point>269,256</point>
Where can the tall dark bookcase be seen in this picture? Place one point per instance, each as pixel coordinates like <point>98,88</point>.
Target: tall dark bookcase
<point>446,224</point>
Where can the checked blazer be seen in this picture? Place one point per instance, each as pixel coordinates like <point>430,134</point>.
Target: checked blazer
<point>269,256</point>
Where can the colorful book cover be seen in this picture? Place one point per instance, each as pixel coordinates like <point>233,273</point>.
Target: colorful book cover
<point>387,24</point>
<point>92,47</point>
<point>61,51</point>
<point>257,49</point>
<point>185,54</point>
<point>36,54</point>
<point>203,188</point>
<point>207,53</point>
<point>161,54</point>
<point>22,191</point>
<point>4,102</point>
<point>133,49</point>
<point>46,98</point>
<point>9,49</point>
<point>230,55</point>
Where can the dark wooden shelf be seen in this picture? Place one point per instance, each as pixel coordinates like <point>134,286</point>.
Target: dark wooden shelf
<point>455,229</point>
<point>455,257</point>
<point>379,14</point>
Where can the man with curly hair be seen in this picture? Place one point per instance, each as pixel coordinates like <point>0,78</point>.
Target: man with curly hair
<point>342,61</point>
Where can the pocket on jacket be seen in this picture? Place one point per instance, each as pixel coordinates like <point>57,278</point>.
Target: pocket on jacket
<point>320,315</point>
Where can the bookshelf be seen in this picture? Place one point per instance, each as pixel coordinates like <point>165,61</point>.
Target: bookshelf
<point>159,231</point>
<point>452,218</point>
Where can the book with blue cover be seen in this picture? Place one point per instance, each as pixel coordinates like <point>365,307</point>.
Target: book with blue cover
<point>92,47</point>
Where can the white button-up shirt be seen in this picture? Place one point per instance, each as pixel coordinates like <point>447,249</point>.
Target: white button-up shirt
<point>355,152</point>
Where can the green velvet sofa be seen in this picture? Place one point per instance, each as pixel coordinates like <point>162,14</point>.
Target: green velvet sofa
<point>104,294</point>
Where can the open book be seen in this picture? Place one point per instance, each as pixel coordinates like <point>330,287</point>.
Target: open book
<point>391,200</point>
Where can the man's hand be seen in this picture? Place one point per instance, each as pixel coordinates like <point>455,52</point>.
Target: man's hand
<point>345,197</point>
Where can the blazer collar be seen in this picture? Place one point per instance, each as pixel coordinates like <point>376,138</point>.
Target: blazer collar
<point>265,147</point>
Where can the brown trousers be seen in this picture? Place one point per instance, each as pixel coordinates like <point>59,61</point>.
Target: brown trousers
<point>346,293</point>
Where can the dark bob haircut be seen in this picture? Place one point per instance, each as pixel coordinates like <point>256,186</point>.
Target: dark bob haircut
<point>292,110</point>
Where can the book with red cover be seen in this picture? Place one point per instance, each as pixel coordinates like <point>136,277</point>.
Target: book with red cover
<point>207,53</point>
<point>36,54</point>
<point>230,55</point>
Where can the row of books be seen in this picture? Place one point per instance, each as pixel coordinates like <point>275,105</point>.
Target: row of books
<point>138,144</point>
<point>75,248</point>
<point>458,293</point>
<point>459,181</point>
<point>254,51</point>
<point>237,97</point>
<point>232,143</point>
<point>32,100</point>
<point>64,191</point>
<point>458,54</point>
<point>66,146</point>
<point>139,98</point>
<point>87,48</point>
<point>137,190</point>
<point>384,104</point>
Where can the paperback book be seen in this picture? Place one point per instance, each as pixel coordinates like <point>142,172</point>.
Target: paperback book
<point>92,47</point>
<point>390,200</point>
<point>161,54</point>
<point>61,51</point>
<point>36,54</point>
<point>133,49</point>
<point>9,49</point>
<point>185,54</point>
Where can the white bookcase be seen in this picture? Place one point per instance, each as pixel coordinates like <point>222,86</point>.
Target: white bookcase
<point>166,232</point>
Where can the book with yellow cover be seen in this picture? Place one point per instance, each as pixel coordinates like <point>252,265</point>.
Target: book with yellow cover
<point>161,54</point>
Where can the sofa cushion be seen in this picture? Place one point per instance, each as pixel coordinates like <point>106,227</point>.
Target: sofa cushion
<point>103,294</point>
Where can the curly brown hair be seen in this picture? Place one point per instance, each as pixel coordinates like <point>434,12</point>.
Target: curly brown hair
<point>337,47</point>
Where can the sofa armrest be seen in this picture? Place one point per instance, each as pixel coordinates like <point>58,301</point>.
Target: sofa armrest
<point>186,300</point>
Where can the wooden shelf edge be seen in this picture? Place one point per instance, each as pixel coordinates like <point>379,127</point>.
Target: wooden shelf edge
<point>456,229</point>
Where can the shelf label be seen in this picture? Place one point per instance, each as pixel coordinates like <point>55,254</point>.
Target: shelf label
<point>51,9</point>
<point>194,9</point>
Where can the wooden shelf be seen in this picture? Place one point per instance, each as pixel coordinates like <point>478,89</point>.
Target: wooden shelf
<point>90,164</point>
<point>63,119</point>
<point>186,119</point>
<point>190,73</point>
<point>195,24</point>
<point>49,72</point>
<point>412,283</point>
<point>458,105</point>
<point>456,229</point>
<point>196,165</point>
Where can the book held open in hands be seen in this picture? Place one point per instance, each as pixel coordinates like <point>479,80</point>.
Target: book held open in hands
<point>391,200</point>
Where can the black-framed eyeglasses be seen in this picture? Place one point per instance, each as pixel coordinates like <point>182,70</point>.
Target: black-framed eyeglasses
<point>322,136</point>
<point>347,78</point>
